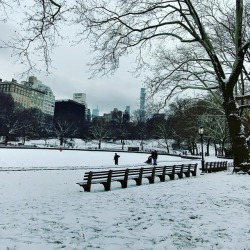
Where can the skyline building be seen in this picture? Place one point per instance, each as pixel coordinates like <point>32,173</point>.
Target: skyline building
<point>142,99</point>
<point>127,110</point>
<point>32,93</point>
<point>126,115</point>
<point>142,104</point>
<point>81,98</point>
<point>23,95</point>
<point>67,108</point>
<point>95,112</point>
<point>48,105</point>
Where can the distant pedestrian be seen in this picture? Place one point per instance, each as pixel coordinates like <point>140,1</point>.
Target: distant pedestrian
<point>154,156</point>
<point>116,157</point>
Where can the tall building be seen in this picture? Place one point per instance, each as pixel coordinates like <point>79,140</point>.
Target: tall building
<point>88,117</point>
<point>69,110</point>
<point>127,110</point>
<point>23,95</point>
<point>142,99</point>
<point>115,115</point>
<point>126,114</point>
<point>71,114</point>
<point>95,112</point>
<point>49,98</point>
<point>142,103</point>
<point>81,98</point>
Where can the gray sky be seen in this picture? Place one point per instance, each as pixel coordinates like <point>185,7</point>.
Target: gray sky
<point>70,75</point>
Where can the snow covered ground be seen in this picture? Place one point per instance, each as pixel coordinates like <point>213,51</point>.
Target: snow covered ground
<point>43,208</point>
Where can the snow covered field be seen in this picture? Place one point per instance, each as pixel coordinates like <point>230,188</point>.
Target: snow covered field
<point>43,208</point>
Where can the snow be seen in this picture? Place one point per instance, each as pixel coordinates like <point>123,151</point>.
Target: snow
<point>42,207</point>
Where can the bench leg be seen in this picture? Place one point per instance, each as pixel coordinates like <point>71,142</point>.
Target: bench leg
<point>151,180</point>
<point>171,176</point>
<point>107,186</point>
<point>162,178</point>
<point>138,181</point>
<point>194,173</point>
<point>86,188</point>
<point>180,175</point>
<point>124,184</point>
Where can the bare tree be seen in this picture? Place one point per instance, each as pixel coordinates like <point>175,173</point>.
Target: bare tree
<point>39,30</point>
<point>163,131</point>
<point>139,118</point>
<point>100,130</point>
<point>216,130</point>
<point>13,122</point>
<point>64,130</point>
<point>6,7</point>
<point>196,62</point>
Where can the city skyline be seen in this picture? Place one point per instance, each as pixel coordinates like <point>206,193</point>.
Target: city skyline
<point>34,84</point>
<point>70,74</point>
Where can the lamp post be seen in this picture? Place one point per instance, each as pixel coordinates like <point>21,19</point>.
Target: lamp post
<point>201,131</point>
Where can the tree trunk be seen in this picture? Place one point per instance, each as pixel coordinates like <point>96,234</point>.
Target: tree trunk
<point>6,139</point>
<point>193,148</point>
<point>238,139</point>
<point>142,144</point>
<point>196,149</point>
<point>215,149</point>
<point>207,146</point>
<point>190,149</point>
<point>167,148</point>
<point>61,141</point>
<point>23,139</point>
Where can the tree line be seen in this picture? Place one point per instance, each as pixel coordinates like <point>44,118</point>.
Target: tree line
<point>176,128</point>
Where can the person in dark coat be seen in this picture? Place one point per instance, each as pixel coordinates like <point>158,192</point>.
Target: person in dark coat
<point>154,155</point>
<point>149,160</point>
<point>116,157</point>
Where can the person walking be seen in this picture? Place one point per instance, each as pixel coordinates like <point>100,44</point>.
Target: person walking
<point>116,157</point>
<point>154,155</point>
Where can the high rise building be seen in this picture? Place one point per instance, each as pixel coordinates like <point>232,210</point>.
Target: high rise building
<point>23,95</point>
<point>88,118</point>
<point>95,112</point>
<point>115,115</point>
<point>69,108</point>
<point>142,103</point>
<point>48,105</point>
<point>81,98</point>
<point>142,99</point>
<point>126,114</point>
<point>127,110</point>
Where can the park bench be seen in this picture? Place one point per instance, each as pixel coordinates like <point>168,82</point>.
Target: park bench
<point>215,166</point>
<point>105,177</point>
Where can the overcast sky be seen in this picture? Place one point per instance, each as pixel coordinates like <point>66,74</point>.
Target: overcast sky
<point>70,75</point>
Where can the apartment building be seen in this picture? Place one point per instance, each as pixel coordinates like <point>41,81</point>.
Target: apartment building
<point>23,95</point>
<point>48,105</point>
